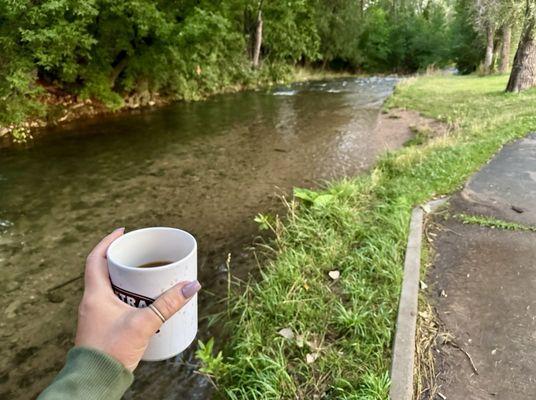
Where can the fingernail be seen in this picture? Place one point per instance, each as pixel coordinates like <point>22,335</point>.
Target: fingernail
<point>119,229</point>
<point>190,289</point>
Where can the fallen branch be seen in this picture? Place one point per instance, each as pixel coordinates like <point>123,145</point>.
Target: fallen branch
<point>65,283</point>
<point>457,346</point>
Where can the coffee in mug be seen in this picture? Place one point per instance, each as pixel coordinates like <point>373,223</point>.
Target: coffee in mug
<point>154,264</point>
<point>145,263</point>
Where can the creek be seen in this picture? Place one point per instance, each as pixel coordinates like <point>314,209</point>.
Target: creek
<point>207,167</point>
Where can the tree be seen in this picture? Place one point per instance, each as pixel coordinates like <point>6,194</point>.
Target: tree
<point>505,48</point>
<point>491,17</point>
<point>490,37</point>
<point>523,75</point>
<point>510,12</point>
<point>487,19</point>
<point>340,25</point>
<point>258,38</point>
<point>467,48</point>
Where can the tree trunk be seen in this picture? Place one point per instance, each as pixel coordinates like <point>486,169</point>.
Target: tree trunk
<point>119,67</point>
<point>258,41</point>
<point>523,75</point>
<point>505,49</point>
<point>496,57</point>
<point>488,61</point>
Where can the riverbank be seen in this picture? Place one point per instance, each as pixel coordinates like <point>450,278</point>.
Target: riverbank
<point>57,107</point>
<point>319,321</point>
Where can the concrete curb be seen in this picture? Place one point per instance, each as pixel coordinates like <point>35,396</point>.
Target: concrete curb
<point>404,343</point>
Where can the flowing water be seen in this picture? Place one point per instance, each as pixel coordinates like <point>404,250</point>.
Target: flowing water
<point>207,167</point>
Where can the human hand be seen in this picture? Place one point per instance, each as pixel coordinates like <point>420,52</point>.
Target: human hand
<point>107,324</point>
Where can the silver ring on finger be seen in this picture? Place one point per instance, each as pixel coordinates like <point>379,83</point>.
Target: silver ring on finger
<point>157,312</point>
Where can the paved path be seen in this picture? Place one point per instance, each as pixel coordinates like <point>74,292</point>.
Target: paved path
<point>506,186</point>
<point>484,283</point>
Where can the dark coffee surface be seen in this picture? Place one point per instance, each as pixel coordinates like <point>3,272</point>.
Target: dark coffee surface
<point>154,264</point>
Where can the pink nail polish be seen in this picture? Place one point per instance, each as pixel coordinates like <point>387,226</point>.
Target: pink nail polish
<point>190,289</point>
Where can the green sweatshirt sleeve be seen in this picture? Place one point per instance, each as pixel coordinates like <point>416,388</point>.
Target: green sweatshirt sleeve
<point>89,374</point>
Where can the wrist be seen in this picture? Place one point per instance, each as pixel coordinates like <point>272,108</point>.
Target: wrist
<point>90,374</point>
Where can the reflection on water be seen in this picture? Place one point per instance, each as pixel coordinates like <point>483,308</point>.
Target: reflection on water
<point>206,167</point>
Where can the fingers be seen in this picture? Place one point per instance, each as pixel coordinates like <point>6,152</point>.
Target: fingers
<point>100,249</point>
<point>169,302</point>
<point>96,274</point>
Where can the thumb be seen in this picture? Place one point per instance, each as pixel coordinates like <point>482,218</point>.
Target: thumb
<point>169,302</point>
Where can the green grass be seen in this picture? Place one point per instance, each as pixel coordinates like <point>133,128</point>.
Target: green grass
<point>491,222</point>
<point>420,136</point>
<point>359,227</point>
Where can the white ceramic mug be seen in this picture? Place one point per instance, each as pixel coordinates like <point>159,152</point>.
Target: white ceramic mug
<point>139,287</point>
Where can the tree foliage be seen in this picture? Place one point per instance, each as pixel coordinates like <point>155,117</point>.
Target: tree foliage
<point>468,44</point>
<point>110,50</point>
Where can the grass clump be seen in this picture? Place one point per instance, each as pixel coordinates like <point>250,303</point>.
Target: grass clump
<point>420,136</point>
<point>491,222</point>
<point>338,332</point>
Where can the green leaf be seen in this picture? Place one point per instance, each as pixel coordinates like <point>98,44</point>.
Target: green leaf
<point>323,200</point>
<point>305,194</point>
<point>265,221</point>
